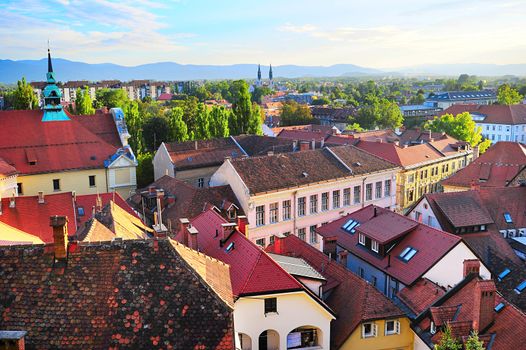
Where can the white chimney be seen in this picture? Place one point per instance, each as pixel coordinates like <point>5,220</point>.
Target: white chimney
<point>12,203</point>
<point>41,197</point>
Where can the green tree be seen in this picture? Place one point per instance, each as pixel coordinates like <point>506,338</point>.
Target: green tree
<point>134,123</point>
<point>202,130</point>
<point>354,127</point>
<point>219,117</point>
<point>155,131</point>
<point>245,117</point>
<point>379,112</point>
<point>473,342</point>
<point>320,101</point>
<point>83,103</point>
<point>144,169</point>
<point>178,128</point>
<point>461,127</point>
<point>190,110</point>
<point>259,92</point>
<point>23,97</point>
<point>111,98</point>
<point>506,95</point>
<point>447,342</point>
<point>294,113</point>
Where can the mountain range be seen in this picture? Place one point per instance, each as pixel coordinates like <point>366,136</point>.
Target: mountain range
<point>34,70</point>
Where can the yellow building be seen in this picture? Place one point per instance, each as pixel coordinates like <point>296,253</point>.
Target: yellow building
<point>423,165</point>
<point>381,334</point>
<point>52,151</point>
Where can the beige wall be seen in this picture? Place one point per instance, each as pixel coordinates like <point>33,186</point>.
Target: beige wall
<point>294,310</point>
<point>162,163</point>
<point>402,341</point>
<point>191,176</point>
<point>69,181</point>
<point>8,186</point>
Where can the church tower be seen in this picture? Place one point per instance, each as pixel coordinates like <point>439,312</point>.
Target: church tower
<point>270,76</point>
<point>258,82</point>
<point>53,110</point>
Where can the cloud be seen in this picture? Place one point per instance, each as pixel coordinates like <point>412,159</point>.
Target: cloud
<point>288,27</point>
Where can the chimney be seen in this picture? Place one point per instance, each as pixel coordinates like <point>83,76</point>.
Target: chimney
<point>183,224</point>
<point>375,211</point>
<point>12,340</point>
<point>12,202</point>
<point>379,140</point>
<point>242,224</point>
<point>270,153</point>
<point>195,145</point>
<point>313,144</point>
<point>474,186</point>
<point>483,304</point>
<point>41,197</point>
<point>294,145</point>
<point>476,152</point>
<point>192,237</point>
<point>226,230</point>
<point>60,235</point>
<point>74,195</point>
<point>322,142</point>
<point>151,189</point>
<point>471,266</point>
<point>304,145</point>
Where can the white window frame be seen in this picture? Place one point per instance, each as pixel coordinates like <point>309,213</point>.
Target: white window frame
<point>374,330</point>
<point>286,209</point>
<point>260,216</point>
<point>396,327</point>
<point>361,238</point>
<point>375,246</point>
<point>273,212</point>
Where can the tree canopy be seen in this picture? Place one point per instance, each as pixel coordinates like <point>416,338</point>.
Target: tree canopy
<point>83,103</point>
<point>473,342</point>
<point>111,98</point>
<point>294,113</point>
<point>506,95</point>
<point>379,113</point>
<point>447,342</point>
<point>23,97</point>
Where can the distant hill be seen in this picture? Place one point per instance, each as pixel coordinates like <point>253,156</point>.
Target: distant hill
<point>11,71</point>
<point>34,70</point>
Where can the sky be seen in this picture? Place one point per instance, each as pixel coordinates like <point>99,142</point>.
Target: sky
<point>381,34</point>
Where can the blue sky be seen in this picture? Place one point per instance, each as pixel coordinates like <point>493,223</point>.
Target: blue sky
<point>374,33</point>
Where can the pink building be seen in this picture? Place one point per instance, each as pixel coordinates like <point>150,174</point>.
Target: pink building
<point>295,193</point>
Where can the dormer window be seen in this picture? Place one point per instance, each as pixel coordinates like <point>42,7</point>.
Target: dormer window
<point>408,253</point>
<point>361,239</point>
<point>374,246</point>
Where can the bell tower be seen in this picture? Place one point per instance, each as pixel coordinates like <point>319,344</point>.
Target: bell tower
<point>53,110</point>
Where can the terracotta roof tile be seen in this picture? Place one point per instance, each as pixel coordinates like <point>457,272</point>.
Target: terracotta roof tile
<point>494,114</point>
<point>6,169</point>
<point>420,295</point>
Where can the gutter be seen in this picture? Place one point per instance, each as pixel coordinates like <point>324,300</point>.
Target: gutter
<point>238,145</point>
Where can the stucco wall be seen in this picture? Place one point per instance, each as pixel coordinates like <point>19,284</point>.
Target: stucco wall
<point>162,163</point>
<point>425,214</point>
<point>8,186</point>
<point>402,341</point>
<point>294,310</point>
<point>191,176</point>
<point>69,181</point>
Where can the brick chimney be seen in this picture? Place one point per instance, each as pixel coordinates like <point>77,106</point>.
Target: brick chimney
<point>191,233</point>
<point>60,235</point>
<point>12,340</point>
<point>181,231</point>
<point>304,145</point>
<point>225,231</point>
<point>313,144</point>
<point>483,304</point>
<point>242,224</point>
<point>471,266</point>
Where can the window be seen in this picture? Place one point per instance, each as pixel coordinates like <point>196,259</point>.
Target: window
<point>336,199</point>
<point>504,274</point>
<point>19,188</point>
<point>433,328</point>
<point>368,192</point>
<point>325,201</point>
<point>361,238</point>
<point>201,182</point>
<point>351,225</point>
<point>374,246</point>
<point>361,272</point>
<point>286,234</point>
<point>273,210</point>
<point>313,236</point>
<point>369,330</point>
<point>80,211</point>
<point>357,194</point>
<point>411,178</point>
<point>410,195</point>
<point>271,305</point>
<point>418,216</point>
<point>260,215</point>
<point>56,184</point>
<point>507,217</point>
<point>301,206</point>
<point>408,253</point>
<point>272,239</point>
<point>499,307</point>
<point>378,190</point>
<point>520,287</point>
<point>387,188</point>
<point>260,242</point>
<point>392,327</point>
<point>346,197</point>
<point>314,204</point>
<point>286,210</point>
<point>92,181</point>
<point>301,234</point>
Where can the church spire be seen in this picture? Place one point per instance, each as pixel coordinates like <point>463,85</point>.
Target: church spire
<point>270,73</point>
<point>259,72</point>
<point>49,65</point>
<point>53,110</point>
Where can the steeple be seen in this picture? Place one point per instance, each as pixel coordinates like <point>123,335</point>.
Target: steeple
<point>270,73</point>
<point>53,110</point>
<point>259,72</point>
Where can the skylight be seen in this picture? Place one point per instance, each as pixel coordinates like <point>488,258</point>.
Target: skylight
<point>507,217</point>
<point>230,247</point>
<point>504,274</point>
<point>408,253</point>
<point>351,225</point>
<point>499,307</point>
<point>520,287</point>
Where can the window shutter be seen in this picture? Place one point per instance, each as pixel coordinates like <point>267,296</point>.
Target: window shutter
<point>363,330</point>
<point>397,327</point>
<point>375,329</point>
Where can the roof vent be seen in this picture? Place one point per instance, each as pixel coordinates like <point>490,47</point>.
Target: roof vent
<point>357,164</point>
<point>305,174</point>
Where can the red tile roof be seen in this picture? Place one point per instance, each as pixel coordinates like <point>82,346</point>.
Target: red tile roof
<point>102,125</point>
<point>461,208</point>
<point>195,154</point>
<point>133,294</point>
<point>493,114</point>
<point>302,135</point>
<point>32,217</point>
<point>387,227</point>
<point>495,168</point>
<point>252,271</point>
<point>6,169</point>
<point>56,146</point>
<point>88,201</point>
<point>165,97</point>
<point>431,245</point>
<point>420,295</point>
<point>352,298</point>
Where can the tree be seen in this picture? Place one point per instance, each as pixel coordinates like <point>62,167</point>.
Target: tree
<point>155,131</point>
<point>202,130</point>
<point>111,98</point>
<point>83,103</point>
<point>259,92</point>
<point>245,117</point>
<point>23,97</point>
<point>190,110</point>
<point>506,95</point>
<point>293,113</point>
<point>134,124</point>
<point>144,169</point>
<point>473,342</point>
<point>320,101</point>
<point>379,113</point>
<point>447,342</point>
<point>219,117</point>
<point>178,128</point>
<point>354,127</point>
<point>461,127</point>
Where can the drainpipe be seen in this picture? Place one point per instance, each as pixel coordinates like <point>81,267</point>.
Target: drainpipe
<point>293,209</point>
<point>363,191</point>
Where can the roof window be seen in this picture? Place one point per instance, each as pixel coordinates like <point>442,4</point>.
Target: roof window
<point>351,225</point>
<point>230,247</point>
<point>507,217</point>
<point>520,287</point>
<point>408,253</point>
<point>504,274</point>
<point>499,307</point>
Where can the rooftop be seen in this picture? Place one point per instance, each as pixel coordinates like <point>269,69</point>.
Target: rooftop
<point>492,114</point>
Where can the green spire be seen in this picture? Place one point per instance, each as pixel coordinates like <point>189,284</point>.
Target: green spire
<point>53,110</point>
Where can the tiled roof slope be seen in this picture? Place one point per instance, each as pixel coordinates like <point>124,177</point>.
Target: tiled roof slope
<point>6,169</point>
<point>201,153</point>
<point>420,295</point>
<point>52,146</point>
<point>252,271</point>
<point>134,295</point>
<point>102,125</point>
<point>431,244</point>
<point>32,217</point>
<point>256,145</point>
<point>352,298</point>
<point>495,168</point>
<point>13,236</point>
<point>88,201</point>
<point>493,114</point>
<point>269,173</point>
<point>462,208</point>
